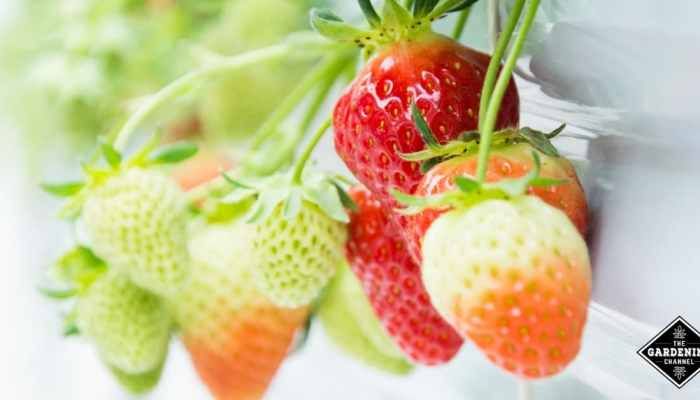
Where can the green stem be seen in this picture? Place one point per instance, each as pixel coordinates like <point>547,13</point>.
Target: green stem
<point>327,68</point>
<point>503,79</point>
<point>316,103</point>
<point>408,4</point>
<point>187,82</point>
<point>496,58</point>
<point>461,23</point>
<point>442,9</point>
<point>308,150</point>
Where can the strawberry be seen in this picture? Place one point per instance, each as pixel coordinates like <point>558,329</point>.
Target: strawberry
<point>350,322</point>
<point>297,256</point>
<point>372,119</point>
<point>138,383</point>
<point>514,277</point>
<point>237,339</point>
<point>136,221</point>
<point>129,326</point>
<point>505,162</point>
<point>392,282</point>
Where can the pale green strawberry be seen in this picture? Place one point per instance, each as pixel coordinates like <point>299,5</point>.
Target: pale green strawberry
<point>350,322</point>
<point>237,339</point>
<point>129,326</point>
<point>297,256</point>
<point>138,383</point>
<point>136,221</point>
<point>514,277</point>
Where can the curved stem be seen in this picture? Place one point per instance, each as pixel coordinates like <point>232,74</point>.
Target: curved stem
<point>326,68</point>
<point>308,150</point>
<point>187,82</point>
<point>501,46</point>
<point>461,23</point>
<point>504,78</point>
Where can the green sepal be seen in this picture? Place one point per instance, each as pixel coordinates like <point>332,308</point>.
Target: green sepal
<point>470,191</point>
<point>266,203</point>
<point>57,294</point>
<point>110,154</point>
<point>423,128</point>
<point>292,204</point>
<point>329,25</point>
<point>71,209</point>
<point>462,5</point>
<point>428,164</point>
<point>540,140</point>
<point>345,199</point>
<point>370,13</point>
<point>70,328</point>
<point>395,16</point>
<point>173,153</point>
<point>322,191</point>
<point>421,8</point>
<point>79,268</point>
<point>65,189</point>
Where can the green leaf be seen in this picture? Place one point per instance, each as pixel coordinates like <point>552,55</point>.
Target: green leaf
<point>57,294</point>
<point>421,8</point>
<point>345,199</point>
<point>236,183</point>
<point>395,15</point>
<point>332,27</point>
<point>173,153</point>
<point>370,13</point>
<point>73,207</point>
<point>547,182</point>
<point>540,140</point>
<point>467,185</point>
<point>65,189</point>
<point>423,127</point>
<point>111,155</point>
<point>518,186</point>
<point>293,204</point>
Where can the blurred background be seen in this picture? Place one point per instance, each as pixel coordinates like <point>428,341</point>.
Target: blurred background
<point>622,74</point>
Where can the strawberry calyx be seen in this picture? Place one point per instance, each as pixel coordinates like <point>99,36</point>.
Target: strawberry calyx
<point>395,23</point>
<point>149,155</point>
<point>468,142</point>
<point>290,189</point>
<point>469,191</point>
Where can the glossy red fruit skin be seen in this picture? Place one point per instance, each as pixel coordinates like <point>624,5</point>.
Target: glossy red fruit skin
<point>393,284</point>
<point>511,162</point>
<point>372,119</point>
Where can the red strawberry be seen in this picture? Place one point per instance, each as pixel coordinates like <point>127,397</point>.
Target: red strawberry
<point>393,284</point>
<point>372,119</point>
<point>512,161</point>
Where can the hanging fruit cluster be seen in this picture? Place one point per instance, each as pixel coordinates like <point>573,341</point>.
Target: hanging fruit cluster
<point>463,228</point>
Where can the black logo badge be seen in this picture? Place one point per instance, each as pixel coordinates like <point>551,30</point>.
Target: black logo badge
<point>675,352</point>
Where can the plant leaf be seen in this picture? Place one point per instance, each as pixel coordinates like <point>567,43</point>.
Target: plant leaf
<point>65,189</point>
<point>428,164</point>
<point>370,13</point>
<point>555,132</point>
<point>329,25</point>
<point>540,140</point>
<point>423,127</point>
<point>173,153</point>
<point>79,267</point>
<point>70,328</point>
<point>110,154</point>
<point>266,203</point>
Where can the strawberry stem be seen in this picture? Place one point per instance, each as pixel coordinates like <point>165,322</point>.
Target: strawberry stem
<point>461,23</point>
<point>308,150</point>
<point>500,89</point>
<point>187,82</point>
<point>501,46</point>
